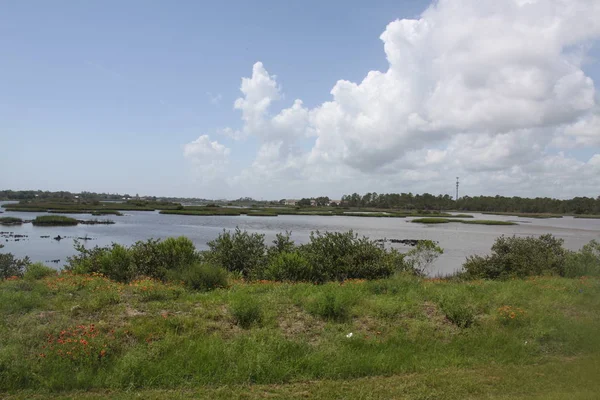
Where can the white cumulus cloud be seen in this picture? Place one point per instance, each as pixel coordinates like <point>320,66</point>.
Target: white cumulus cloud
<point>477,88</point>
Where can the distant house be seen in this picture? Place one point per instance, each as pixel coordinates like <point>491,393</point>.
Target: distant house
<point>313,203</point>
<point>335,202</point>
<point>290,202</point>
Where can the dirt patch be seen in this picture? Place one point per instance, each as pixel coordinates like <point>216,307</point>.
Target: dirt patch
<point>132,312</point>
<point>298,323</point>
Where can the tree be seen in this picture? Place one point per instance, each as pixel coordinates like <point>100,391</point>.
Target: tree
<point>304,202</point>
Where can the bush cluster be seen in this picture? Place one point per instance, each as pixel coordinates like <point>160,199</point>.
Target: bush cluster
<point>329,256</point>
<point>519,257</point>
<point>173,259</point>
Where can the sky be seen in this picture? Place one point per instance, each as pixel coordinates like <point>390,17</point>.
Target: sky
<point>275,99</point>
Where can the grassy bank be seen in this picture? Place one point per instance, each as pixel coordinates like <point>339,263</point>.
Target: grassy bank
<point>526,215</point>
<point>473,222</point>
<point>405,334</point>
<point>54,220</point>
<point>89,208</point>
<point>10,221</point>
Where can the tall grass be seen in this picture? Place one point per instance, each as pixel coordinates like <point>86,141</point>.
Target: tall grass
<point>54,220</point>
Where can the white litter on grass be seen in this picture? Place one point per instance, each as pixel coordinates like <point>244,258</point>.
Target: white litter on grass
<point>349,335</point>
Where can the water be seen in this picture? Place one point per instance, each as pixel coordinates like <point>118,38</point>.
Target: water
<point>457,240</point>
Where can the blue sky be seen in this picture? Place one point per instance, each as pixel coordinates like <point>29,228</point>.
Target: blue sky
<point>104,95</point>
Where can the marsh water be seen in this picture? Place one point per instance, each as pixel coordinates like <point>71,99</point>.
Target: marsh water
<point>457,240</point>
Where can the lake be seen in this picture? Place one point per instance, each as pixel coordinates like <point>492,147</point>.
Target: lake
<point>457,240</point>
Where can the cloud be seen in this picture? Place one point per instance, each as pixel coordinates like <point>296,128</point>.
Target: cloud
<point>477,88</point>
<point>208,157</point>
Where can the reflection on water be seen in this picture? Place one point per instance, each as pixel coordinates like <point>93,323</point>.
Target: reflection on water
<point>457,240</point>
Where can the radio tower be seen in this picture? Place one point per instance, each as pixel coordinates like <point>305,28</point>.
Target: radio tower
<point>457,188</point>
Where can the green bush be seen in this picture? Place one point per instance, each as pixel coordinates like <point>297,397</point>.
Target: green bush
<point>204,277</point>
<point>11,266</point>
<point>420,258</point>
<point>332,306</point>
<point>246,311</point>
<point>151,258</point>
<point>519,257</point>
<point>38,271</point>
<point>339,256</point>
<point>292,267</point>
<point>239,252</point>
<point>585,262</point>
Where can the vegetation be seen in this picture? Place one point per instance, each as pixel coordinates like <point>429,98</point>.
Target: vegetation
<point>525,215</point>
<point>207,211</point>
<point>161,319</point>
<point>10,221</point>
<point>411,337</point>
<point>76,206</point>
<point>517,257</point>
<point>11,267</point>
<point>474,222</point>
<point>54,220</point>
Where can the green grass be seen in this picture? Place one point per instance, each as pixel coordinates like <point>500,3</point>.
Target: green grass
<point>260,214</point>
<point>373,214</point>
<point>10,221</point>
<point>587,216</point>
<point>75,208</point>
<point>291,340</point>
<point>216,211</point>
<point>525,215</point>
<point>54,220</point>
<point>473,222</point>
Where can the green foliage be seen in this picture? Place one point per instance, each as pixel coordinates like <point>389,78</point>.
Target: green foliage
<point>239,252</point>
<point>204,277</point>
<point>338,256</point>
<point>246,311</point>
<point>332,305</point>
<point>37,271</point>
<point>54,220</point>
<point>11,266</point>
<point>519,257</point>
<point>585,262</point>
<point>151,258</point>
<point>458,310</point>
<point>10,221</point>
<point>422,256</point>
<point>291,267</point>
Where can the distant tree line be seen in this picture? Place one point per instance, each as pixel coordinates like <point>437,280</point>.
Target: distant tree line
<point>426,201</point>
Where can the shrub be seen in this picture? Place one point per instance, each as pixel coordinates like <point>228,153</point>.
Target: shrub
<point>282,244</point>
<point>246,311</point>
<point>204,277</point>
<point>240,252</point>
<point>151,258</point>
<point>343,256</point>
<point>38,271</point>
<point>292,267</point>
<point>11,266</point>
<point>420,258</point>
<point>585,262</point>
<point>519,257</point>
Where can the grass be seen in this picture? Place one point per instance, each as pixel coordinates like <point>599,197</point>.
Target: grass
<point>217,211</point>
<point>54,220</point>
<point>526,215</point>
<point>587,216</point>
<point>266,339</point>
<point>78,208</point>
<point>473,222</point>
<point>10,221</point>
